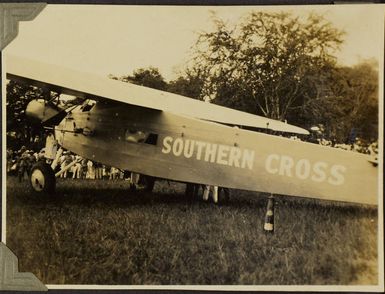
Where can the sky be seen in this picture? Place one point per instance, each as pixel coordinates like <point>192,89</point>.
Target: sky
<point>119,39</point>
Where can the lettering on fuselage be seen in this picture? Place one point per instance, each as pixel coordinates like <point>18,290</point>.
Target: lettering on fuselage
<point>209,152</point>
<point>303,169</point>
<point>275,164</point>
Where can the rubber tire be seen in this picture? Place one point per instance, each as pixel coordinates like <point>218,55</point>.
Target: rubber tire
<point>189,192</point>
<point>149,183</point>
<point>224,195</point>
<point>49,177</point>
<point>192,191</point>
<point>146,183</point>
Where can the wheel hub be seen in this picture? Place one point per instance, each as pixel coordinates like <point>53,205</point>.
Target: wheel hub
<point>37,180</point>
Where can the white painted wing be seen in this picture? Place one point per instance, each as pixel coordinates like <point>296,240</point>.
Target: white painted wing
<point>80,84</point>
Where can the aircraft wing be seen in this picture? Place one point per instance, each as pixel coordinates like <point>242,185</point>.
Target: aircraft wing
<point>67,81</point>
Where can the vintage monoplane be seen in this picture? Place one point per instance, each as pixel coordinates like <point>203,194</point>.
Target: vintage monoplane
<point>168,136</point>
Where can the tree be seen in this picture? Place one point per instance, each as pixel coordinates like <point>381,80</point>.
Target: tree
<point>363,94</point>
<point>349,101</point>
<point>19,130</point>
<point>148,77</point>
<point>359,87</point>
<point>190,84</point>
<point>268,65</point>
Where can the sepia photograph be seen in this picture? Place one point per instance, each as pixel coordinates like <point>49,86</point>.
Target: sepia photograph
<point>194,147</point>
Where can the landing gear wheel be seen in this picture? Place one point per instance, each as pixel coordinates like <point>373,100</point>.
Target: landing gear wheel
<point>224,195</point>
<point>132,187</point>
<point>192,191</point>
<point>148,183</point>
<point>42,178</point>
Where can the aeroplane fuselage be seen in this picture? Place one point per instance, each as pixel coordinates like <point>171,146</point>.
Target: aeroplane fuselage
<point>175,147</point>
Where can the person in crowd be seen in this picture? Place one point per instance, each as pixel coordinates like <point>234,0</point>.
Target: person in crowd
<point>105,172</point>
<point>90,170</point>
<point>41,155</point>
<point>98,171</point>
<point>14,166</point>
<point>25,163</point>
<point>65,160</point>
<point>21,164</point>
<point>120,174</point>
<point>36,145</point>
<point>356,146</point>
<point>31,160</point>
<point>213,190</point>
<point>134,180</point>
<point>373,149</point>
<point>9,160</point>
<point>77,168</point>
<point>84,168</point>
<point>114,173</point>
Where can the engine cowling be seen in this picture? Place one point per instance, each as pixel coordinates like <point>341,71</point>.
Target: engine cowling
<point>40,111</point>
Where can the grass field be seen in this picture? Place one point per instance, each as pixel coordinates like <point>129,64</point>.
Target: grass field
<point>101,233</point>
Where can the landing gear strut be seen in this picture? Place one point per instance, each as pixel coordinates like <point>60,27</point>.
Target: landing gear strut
<point>141,181</point>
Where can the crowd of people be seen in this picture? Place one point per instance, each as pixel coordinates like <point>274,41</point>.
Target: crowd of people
<point>20,163</point>
<point>87,169</point>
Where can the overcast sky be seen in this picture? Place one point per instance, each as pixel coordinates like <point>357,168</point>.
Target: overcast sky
<point>118,39</point>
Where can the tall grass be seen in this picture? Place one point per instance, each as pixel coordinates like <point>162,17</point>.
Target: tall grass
<point>98,232</point>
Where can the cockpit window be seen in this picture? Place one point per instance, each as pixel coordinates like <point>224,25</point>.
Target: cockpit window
<point>88,105</point>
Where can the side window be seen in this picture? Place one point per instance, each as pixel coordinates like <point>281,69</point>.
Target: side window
<point>137,136</point>
<point>152,139</point>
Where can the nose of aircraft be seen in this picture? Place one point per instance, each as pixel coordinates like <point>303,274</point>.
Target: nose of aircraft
<point>35,110</point>
<point>39,111</point>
